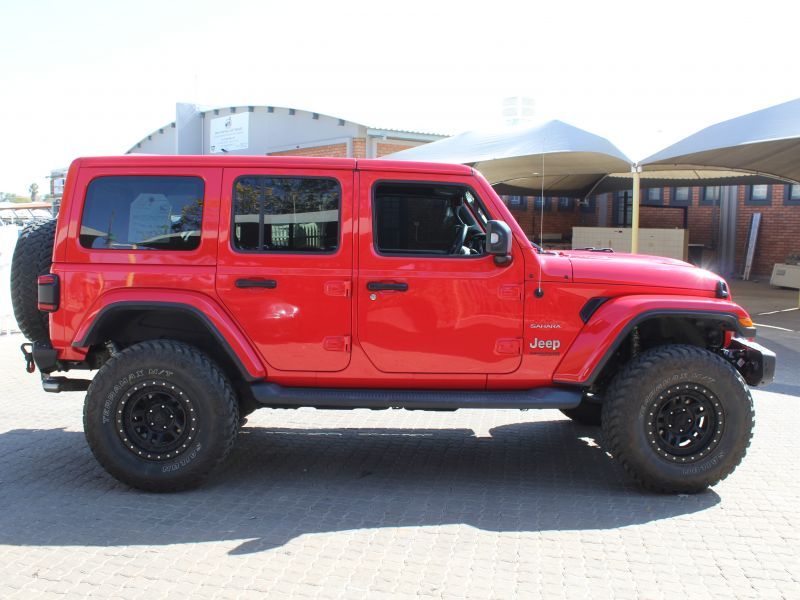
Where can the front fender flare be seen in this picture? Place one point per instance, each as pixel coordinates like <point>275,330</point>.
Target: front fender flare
<point>614,320</point>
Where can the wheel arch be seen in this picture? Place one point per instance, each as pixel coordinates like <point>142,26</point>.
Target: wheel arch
<point>131,321</point>
<point>607,332</point>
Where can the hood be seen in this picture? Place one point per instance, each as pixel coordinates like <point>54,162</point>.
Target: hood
<point>638,269</point>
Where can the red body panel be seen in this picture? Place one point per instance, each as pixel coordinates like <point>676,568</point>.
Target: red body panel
<point>463,323</point>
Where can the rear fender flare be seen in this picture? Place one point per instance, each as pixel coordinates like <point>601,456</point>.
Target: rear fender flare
<point>210,313</point>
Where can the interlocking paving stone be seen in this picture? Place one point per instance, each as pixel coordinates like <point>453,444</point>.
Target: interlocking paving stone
<point>388,504</point>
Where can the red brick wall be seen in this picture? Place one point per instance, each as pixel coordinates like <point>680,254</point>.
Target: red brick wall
<point>359,148</point>
<point>384,149</point>
<point>778,236</point>
<point>334,150</point>
<point>555,221</point>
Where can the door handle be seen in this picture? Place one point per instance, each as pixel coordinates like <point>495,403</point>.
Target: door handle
<point>270,284</point>
<point>380,286</point>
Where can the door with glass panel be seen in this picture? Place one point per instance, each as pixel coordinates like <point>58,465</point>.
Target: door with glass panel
<point>285,264</point>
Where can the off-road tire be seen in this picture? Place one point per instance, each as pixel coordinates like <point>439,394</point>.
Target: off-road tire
<point>642,413</point>
<point>586,413</point>
<point>191,405</point>
<point>32,257</point>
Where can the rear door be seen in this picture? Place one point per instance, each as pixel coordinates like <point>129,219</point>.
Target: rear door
<point>425,306</point>
<point>285,264</point>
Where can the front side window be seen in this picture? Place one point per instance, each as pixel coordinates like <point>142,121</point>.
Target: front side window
<point>428,219</point>
<point>286,214</point>
<point>142,213</point>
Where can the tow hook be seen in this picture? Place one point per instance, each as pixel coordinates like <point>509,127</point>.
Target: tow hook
<point>27,352</point>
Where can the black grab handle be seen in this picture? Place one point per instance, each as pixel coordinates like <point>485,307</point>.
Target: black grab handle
<point>257,283</point>
<point>378,286</point>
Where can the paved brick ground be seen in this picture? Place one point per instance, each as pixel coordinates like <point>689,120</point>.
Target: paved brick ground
<point>360,504</point>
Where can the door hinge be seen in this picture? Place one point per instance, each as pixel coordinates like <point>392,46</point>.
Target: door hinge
<point>338,343</point>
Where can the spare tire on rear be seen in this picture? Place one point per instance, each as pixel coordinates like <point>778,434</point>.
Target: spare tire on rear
<point>33,256</point>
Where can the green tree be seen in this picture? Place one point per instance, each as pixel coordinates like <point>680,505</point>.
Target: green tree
<point>34,190</point>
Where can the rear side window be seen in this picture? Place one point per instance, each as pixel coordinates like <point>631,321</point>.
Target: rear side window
<point>286,214</point>
<point>143,213</point>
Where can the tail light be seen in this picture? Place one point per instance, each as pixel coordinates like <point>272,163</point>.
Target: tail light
<point>48,293</point>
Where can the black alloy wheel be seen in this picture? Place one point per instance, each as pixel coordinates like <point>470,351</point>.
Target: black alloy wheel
<point>678,418</point>
<point>156,420</point>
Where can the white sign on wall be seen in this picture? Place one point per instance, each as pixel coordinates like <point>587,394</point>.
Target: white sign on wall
<point>229,133</point>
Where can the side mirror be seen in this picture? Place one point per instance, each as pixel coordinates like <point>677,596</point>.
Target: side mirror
<point>498,242</point>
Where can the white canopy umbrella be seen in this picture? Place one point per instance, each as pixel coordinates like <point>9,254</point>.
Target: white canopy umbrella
<point>554,156</point>
<point>765,142</point>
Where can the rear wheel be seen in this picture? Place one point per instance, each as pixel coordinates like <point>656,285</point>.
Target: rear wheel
<point>160,416</point>
<point>32,257</point>
<point>678,418</point>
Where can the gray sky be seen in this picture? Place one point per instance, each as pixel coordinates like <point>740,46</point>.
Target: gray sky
<point>85,78</point>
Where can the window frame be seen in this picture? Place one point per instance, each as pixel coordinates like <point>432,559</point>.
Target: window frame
<point>540,203</point>
<point>407,255</point>
<point>748,196</point>
<point>521,207</point>
<point>140,175</point>
<point>232,236</point>
<point>566,207</point>
<point>673,196</point>
<point>704,201</point>
<point>647,201</point>
<point>787,195</point>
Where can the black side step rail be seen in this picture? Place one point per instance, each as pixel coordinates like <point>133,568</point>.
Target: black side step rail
<point>271,394</point>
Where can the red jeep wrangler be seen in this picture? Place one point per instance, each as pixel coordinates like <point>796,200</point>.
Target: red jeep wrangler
<point>202,288</point>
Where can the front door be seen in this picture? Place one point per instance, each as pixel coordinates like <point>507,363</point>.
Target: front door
<point>285,264</point>
<point>430,300</point>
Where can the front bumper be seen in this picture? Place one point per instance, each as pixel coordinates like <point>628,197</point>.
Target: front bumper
<point>755,362</point>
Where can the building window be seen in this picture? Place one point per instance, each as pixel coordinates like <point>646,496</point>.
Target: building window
<point>791,195</point>
<point>758,195</point>
<point>653,197</point>
<point>537,203</point>
<point>588,205</point>
<point>142,213</point>
<point>286,214</point>
<point>517,202</point>
<point>710,195</point>
<point>623,209</point>
<point>681,196</point>
<point>566,204</point>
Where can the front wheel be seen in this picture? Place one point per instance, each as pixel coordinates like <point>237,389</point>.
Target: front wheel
<point>679,418</point>
<point>160,415</point>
